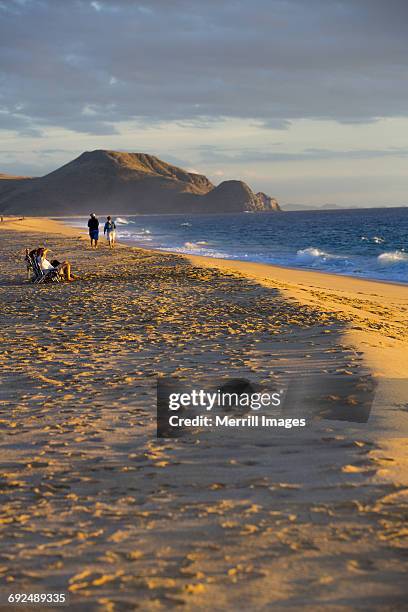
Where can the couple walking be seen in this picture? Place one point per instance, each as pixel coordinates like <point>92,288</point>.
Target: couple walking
<point>109,229</point>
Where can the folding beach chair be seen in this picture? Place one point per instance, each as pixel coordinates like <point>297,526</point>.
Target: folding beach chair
<point>37,274</point>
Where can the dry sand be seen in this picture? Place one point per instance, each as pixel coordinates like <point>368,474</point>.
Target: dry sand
<point>377,312</point>
<point>93,504</point>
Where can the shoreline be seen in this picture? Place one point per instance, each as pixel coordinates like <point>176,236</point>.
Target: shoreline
<point>61,227</point>
<point>273,265</point>
<point>244,261</point>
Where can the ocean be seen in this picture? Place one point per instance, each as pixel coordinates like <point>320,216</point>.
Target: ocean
<point>369,243</point>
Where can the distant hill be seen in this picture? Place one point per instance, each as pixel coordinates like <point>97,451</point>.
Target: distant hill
<point>132,183</point>
<point>305,207</point>
<point>334,207</point>
<point>12,177</point>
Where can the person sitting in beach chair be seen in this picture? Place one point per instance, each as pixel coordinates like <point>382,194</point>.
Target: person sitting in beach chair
<point>31,273</point>
<point>63,269</point>
<point>45,270</point>
<point>35,272</point>
<point>110,231</point>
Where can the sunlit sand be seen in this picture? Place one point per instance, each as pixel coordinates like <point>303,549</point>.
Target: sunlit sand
<point>93,504</point>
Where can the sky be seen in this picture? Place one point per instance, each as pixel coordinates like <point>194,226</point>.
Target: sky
<point>305,100</point>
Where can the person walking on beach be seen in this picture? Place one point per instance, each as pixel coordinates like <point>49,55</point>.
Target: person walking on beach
<point>110,231</point>
<point>93,225</point>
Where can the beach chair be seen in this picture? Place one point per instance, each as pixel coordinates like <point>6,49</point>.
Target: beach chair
<point>29,267</point>
<point>37,275</point>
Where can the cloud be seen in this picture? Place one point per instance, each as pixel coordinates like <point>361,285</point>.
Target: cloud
<point>192,61</point>
<point>215,155</point>
<point>14,121</point>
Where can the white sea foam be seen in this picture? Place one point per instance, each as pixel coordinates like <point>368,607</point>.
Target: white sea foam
<point>192,246</point>
<point>186,224</point>
<point>121,221</point>
<point>195,245</point>
<point>313,253</point>
<point>375,239</point>
<point>392,257</point>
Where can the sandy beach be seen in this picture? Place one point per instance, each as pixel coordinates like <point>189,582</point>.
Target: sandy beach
<point>93,504</point>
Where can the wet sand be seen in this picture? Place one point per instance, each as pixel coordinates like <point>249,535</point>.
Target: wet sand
<point>94,505</point>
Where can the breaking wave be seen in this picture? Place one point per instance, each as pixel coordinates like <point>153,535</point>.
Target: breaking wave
<point>312,253</point>
<point>393,257</point>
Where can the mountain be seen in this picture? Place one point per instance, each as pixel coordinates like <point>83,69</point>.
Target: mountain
<point>267,202</point>
<point>131,183</point>
<point>9,183</point>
